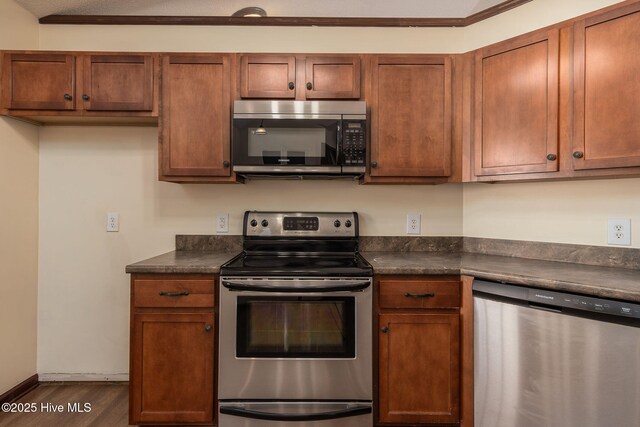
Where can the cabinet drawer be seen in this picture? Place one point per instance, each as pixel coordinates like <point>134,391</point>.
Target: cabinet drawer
<point>173,293</point>
<point>419,293</point>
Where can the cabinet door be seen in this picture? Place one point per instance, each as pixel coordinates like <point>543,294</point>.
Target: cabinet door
<point>334,77</point>
<point>607,90</point>
<point>516,114</point>
<point>419,363</point>
<point>267,76</point>
<point>411,116</point>
<point>38,81</point>
<point>195,115</point>
<point>118,83</point>
<point>172,368</point>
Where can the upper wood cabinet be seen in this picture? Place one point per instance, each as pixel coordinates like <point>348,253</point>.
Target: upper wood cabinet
<point>38,81</point>
<point>607,90</point>
<point>268,76</point>
<point>195,122</point>
<point>516,105</point>
<point>300,77</point>
<point>118,83</point>
<point>332,77</point>
<point>411,115</point>
<point>48,87</point>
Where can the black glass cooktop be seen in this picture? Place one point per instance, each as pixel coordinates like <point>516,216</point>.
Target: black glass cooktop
<point>299,265</point>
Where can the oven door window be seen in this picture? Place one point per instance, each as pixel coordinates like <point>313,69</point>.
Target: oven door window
<point>285,142</point>
<point>296,327</point>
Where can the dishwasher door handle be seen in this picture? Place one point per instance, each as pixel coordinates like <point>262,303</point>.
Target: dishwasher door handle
<point>545,308</point>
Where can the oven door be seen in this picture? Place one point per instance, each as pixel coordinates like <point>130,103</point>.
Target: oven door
<point>302,339</point>
<point>289,143</point>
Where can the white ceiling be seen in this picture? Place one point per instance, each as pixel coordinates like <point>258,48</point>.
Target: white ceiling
<point>309,8</point>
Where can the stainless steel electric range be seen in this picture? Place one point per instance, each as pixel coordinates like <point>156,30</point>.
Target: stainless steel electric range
<point>295,324</point>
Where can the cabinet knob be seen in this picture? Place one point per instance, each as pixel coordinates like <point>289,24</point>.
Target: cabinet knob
<point>578,154</point>
<point>551,157</point>
<point>68,97</point>
<point>374,164</point>
<point>225,163</point>
<point>384,329</point>
<point>292,86</point>
<point>207,328</point>
<point>309,86</point>
<point>85,97</point>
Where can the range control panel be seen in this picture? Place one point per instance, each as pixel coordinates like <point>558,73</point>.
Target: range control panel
<point>579,302</point>
<point>354,143</point>
<point>301,224</point>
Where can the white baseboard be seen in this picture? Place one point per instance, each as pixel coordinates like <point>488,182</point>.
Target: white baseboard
<point>44,377</point>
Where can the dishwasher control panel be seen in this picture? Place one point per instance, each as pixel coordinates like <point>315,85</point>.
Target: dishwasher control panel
<point>556,301</point>
<point>579,302</point>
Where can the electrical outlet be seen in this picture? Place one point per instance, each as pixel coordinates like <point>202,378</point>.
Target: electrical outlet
<point>619,231</point>
<point>413,223</point>
<point>113,222</point>
<point>222,223</point>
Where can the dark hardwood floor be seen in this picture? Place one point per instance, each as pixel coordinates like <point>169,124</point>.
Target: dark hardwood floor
<point>109,405</point>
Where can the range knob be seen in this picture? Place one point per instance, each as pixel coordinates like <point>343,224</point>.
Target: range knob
<point>336,223</point>
<point>347,223</point>
<point>264,223</point>
<point>253,223</point>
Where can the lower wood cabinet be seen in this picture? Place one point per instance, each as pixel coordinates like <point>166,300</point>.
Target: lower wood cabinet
<point>172,359</point>
<point>419,365</point>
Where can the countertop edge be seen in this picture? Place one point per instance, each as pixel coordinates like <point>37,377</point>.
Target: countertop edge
<point>556,285</point>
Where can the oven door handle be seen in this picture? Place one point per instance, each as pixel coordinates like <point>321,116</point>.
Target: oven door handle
<point>318,416</point>
<point>308,288</point>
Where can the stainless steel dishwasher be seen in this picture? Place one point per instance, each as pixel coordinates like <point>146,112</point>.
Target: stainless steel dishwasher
<point>548,359</point>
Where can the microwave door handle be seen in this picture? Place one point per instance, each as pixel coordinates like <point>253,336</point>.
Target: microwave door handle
<point>318,416</point>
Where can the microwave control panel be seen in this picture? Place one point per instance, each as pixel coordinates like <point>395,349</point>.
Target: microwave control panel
<point>354,143</point>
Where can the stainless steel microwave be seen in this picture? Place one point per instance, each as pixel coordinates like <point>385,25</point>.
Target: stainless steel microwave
<point>305,138</point>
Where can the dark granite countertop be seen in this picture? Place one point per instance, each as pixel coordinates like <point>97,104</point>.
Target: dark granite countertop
<point>183,262</point>
<point>606,282</point>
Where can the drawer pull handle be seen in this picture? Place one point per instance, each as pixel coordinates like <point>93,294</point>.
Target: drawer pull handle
<point>207,328</point>
<point>174,294</point>
<point>408,295</point>
<point>384,329</point>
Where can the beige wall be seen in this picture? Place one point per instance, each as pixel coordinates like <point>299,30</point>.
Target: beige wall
<point>528,17</point>
<point>18,220</point>
<point>86,172</point>
<point>525,18</point>
<point>561,212</point>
